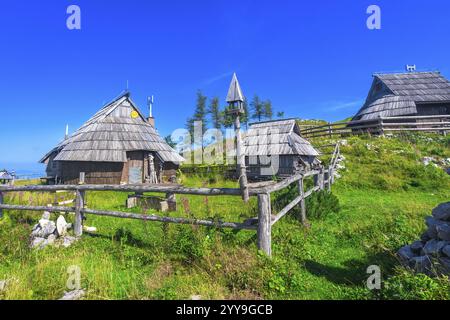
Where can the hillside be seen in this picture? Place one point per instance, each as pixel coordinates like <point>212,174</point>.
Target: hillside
<point>384,193</point>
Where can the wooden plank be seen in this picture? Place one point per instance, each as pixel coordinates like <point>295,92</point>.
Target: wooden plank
<point>264,224</point>
<point>152,217</point>
<point>1,202</point>
<point>79,206</point>
<point>36,208</point>
<point>286,209</point>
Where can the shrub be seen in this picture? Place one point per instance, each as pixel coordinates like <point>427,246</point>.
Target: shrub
<point>320,204</point>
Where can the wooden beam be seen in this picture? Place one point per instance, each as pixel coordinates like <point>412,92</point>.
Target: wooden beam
<point>79,206</point>
<point>152,217</point>
<point>36,208</point>
<point>1,202</point>
<point>264,224</point>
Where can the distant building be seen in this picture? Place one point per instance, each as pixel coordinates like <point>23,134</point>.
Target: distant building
<point>117,145</point>
<point>280,138</point>
<point>406,94</point>
<point>6,177</point>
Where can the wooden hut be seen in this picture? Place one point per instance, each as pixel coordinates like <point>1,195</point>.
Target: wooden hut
<point>118,145</point>
<point>282,139</point>
<point>406,94</point>
<point>6,177</point>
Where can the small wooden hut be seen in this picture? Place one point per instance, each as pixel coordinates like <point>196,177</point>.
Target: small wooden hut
<point>406,94</point>
<point>118,145</point>
<point>282,139</point>
<point>6,177</point>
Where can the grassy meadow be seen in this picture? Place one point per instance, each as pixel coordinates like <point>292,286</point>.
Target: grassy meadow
<point>384,194</point>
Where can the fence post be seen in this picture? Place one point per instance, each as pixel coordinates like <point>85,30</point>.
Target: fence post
<point>264,224</point>
<point>301,190</point>
<point>1,202</point>
<point>79,205</point>
<point>329,176</point>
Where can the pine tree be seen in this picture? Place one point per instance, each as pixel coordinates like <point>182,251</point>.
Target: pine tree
<point>280,114</point>
<point>200,110</point>
<point>268,111</point>
<point>257,108</point>
<point>244,116</point>
<point>216,114</point>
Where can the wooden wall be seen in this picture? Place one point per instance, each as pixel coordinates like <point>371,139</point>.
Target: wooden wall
<point>114,172</point>
<point>95,172</point>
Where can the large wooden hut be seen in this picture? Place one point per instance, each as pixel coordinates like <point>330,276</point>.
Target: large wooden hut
<point>276,148</point>
<point>118,145</point>
<point>406,94</point>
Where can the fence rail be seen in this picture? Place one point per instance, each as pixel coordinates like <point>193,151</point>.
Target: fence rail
<point>323,178</point>
<point>432,123</point>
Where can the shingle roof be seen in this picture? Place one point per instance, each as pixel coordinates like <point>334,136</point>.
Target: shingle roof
<point>234,92</point>
<point>279,137</point>
<point>115,129</point>
<point>401,92</point>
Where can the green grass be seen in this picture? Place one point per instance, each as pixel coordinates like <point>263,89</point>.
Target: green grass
<point>384,194</point>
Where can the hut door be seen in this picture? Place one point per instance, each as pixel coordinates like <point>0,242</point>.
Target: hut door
<point>135,167</point>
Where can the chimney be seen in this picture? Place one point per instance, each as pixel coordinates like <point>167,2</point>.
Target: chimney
<point>410,68</point>
<point>150,118</point>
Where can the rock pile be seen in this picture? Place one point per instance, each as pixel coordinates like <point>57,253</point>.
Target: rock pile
<point>431,254</point>
<point>47,232</point>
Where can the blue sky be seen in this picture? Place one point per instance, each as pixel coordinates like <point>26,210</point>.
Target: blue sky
<point>313,59</point>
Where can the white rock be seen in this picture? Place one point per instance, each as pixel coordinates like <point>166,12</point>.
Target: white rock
<point>73,295</point>
<point>38,243</point>
<point>46,215</point>
<point>61,226</point>
<point>51,239</point>
<point>89,229</point>
<point>3,284</point>
<point>196,297</point>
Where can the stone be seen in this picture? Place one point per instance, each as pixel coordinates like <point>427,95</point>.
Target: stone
<point>3,284</point>
<point>61,226</point>
<point>432,224</point>
<point>68,240</point>
<point>443,232</point>
<point>48,229</point>
<point>417,247</point>
<point>433,247</point>
<point>405,254</point>
<point>445,264</point>
<point>446,250</point>
<point>421,264</point>
<point>73,295</point>
<point>51,239</point>
<point>425,237</point>
<point>89,229</point>
<point>427,161</point>
<point>46,215</point>
<point>442,211</point>
<point>196,297</point>
<point>38,242</point>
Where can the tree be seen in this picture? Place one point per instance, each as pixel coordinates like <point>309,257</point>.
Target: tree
<point>245,115</point>
<point>280,114</point>
<point>169,141</point>
<point>200,110</point>
<point>216,114</point>
<point>268,111</point>
<point>257,108</point>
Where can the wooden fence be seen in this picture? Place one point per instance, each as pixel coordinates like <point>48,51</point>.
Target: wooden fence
<point>436,124</point>
<point>323,179</point>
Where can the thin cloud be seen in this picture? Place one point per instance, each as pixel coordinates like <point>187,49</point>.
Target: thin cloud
<point>217,78</point>
<point>335,106</point>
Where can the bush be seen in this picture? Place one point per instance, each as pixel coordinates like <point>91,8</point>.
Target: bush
<point>320,204</point>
